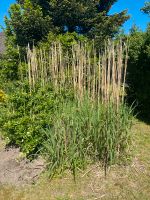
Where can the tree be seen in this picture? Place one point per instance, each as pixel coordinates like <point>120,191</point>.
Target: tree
<point>81,15</point>
<point>146,8</point>
<point>31,20</point>
<point>106,26</point>
<point>27,23</point>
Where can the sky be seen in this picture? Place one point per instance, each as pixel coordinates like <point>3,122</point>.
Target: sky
<point>133,7</point>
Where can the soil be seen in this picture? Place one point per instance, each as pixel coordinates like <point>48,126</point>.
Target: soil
<point>16,170</point>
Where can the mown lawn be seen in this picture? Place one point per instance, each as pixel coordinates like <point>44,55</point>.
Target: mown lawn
<point>122,182</point>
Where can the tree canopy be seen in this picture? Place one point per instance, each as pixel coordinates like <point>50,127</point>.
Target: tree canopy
<point>31,20</point>
<point>27,23</point>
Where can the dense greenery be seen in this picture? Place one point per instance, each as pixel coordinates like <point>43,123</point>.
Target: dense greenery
<point>23,116</point>
<point>87,133</point>
<point>69,134</point>
<point>139,70</point>
<point>27,24</point>
<point>39,117</point>
<point>46,113</point>
<point>31,20</point>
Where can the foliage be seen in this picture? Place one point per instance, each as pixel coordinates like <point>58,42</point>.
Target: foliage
<point>85,133</point>
<point>9,62</point>
<point>106,27</point>
<point>24,115</point>
<point>74,15</point>
<point>66,40</point>
<point>30,21</point>
<point>146,8</point>
<point>2,96</point>
<point>139,69</point>
<point>27,23</point>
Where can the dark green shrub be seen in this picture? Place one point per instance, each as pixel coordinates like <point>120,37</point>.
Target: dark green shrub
<point>139,71</point>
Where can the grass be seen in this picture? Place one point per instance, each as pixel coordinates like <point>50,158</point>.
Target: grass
<point>98,126</point>
<point>92,125</point>
<point>101,74</point>
<point>122,182</point>
<point>87,133</point>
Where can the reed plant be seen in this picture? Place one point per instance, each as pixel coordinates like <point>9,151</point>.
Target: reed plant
<point>93,125</point>
<point>100,74</point>
<point>86,133</point>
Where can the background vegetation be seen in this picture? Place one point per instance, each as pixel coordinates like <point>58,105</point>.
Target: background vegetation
<point>139,70</point>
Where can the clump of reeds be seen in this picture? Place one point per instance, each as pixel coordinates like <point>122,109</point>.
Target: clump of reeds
<point>87,133</point>
<point>100,75</point>
<point>95,125</point>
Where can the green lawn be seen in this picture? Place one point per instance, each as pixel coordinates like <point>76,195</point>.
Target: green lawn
<point>122,182</point>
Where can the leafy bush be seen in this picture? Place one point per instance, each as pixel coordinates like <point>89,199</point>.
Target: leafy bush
<point>66,40</point>
<point>24,115</point>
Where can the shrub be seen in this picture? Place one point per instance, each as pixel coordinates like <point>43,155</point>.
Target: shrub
<point>25,114</point>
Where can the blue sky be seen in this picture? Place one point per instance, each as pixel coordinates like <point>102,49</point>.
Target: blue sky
<point>133,7</point>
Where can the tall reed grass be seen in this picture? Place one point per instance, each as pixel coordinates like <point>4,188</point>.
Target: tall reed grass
<point>100,75</point>
<point>95,124</point>
<point>86,133</point>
